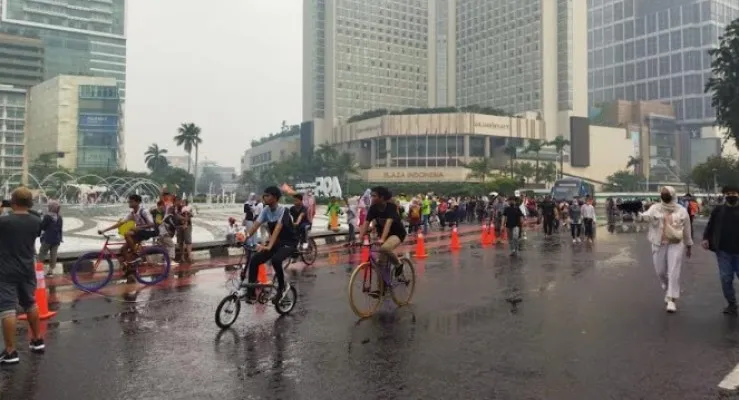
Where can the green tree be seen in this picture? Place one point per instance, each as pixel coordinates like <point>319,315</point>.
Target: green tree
<point>634,162</point>
<point>526,170</point>
<point>724,81</point>
<point>179,179</point>
<point>548,172</point>
<point>155,159</point>
<point>480,168</point>
<point>188,137</point>
<point>559,144</point>
<point>210,177</point>
<point>716,171</point>
<point>535,146</point>
<point>623,181</point>
<point>511,150</point>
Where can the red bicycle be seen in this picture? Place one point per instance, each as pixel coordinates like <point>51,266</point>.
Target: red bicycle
<point>95,269</point>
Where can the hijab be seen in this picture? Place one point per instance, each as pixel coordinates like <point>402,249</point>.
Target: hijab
<point>54,208</point>
<point>672,205</point>
<point>366,198</point>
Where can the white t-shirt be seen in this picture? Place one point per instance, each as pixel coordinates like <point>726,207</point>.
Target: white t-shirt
<point>141,217</point>
<point>257,209</point>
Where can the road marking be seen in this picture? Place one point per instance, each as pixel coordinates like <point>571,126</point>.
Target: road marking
<point>731,381</point>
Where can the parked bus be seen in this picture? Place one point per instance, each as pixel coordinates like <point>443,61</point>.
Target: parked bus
<point>569,188</point>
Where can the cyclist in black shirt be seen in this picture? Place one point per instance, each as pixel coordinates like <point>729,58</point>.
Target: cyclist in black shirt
<point>386,218</point>
<point>282,241</point>
<point>299,214</point>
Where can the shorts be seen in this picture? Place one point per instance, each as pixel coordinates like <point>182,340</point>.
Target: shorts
<point>140,236</point>
<point>20,292</point>
<point>184,236</point>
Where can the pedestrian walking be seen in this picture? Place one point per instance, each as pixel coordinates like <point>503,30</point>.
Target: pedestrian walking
<point>720,236</point>
<point>669,234</point>
<point>18,233</point>
<point>51,236</point>
<point>587,211</point>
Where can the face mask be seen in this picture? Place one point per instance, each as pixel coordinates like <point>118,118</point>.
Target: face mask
<point>732,200</point>
<point>666,197</point>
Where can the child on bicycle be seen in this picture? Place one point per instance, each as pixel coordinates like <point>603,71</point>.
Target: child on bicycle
<point>144,230</point>
<point>282,243</point>
<point>384,214</point>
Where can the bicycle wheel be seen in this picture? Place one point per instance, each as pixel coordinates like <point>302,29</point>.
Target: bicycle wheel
<point>230,306</point>
<point>367,282</point>
<point>286,305</point>
<point>154,266</point>
<point>309,254</point>
<point>403,280</point>
<point>92,271</point>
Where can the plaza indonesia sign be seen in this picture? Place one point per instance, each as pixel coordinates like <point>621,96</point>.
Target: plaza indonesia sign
<point>413,175</point>
<point>326,186</point>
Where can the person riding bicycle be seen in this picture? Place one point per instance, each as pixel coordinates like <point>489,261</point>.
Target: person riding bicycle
<point>384,214</point>
<point>282,243</point>
<point>144,229</point>
<point>301,219</point>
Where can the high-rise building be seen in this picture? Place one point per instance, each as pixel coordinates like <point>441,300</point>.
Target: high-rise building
<point>79,118</point>
<point>80,37</point>
<point>523,55</point>
<point>12,126</point>
<point>656,50</point>
<point>516,55</point>
<point>364,55</point>
<point>21,61</point>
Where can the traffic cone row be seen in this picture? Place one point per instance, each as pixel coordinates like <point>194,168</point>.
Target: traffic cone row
<point>42,302</point>
<point>455,239</point>
<point>420,245</point>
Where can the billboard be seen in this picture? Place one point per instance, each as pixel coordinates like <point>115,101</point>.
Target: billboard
<point>579,142</point>
<point>98,121</point>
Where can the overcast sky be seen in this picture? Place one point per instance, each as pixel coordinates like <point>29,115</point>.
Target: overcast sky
<point>233,67</point>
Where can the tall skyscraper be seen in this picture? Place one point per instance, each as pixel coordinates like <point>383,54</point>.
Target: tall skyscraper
<point>363,55</point>
<point>516,55</point>
<point>656,50</point>
<point>80,37</point>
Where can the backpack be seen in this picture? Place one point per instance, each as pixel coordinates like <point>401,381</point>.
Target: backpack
<point>169,224</point>
<point>248,212</point>
<point>415,213</point>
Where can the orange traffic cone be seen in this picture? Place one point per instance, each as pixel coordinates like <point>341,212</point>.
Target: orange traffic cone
<point>455,239</point>
<point>365,256</point>
<point>491,236</point>
<point>484,234</point>
<point>262,274</point>
<point>420,246</point>
<point>42,301</point>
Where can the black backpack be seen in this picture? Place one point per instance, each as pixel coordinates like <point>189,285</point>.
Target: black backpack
<point>248,212</point>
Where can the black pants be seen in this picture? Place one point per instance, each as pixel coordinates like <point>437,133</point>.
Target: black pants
<point>588,224</point>
<point>548,224</point>
<point>575,230</point>
<point>691,225</point>
<point>277,255</point>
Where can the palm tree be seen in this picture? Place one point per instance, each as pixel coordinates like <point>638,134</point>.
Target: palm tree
<point>188,136</point>
<point>511,150</point>
<point>525,170</point>
<point>480,168</point>
<point>535,146</point>
<point>634,162</point>
<point>548,172</point>
<point>154,157</point>
<point>559,144</point>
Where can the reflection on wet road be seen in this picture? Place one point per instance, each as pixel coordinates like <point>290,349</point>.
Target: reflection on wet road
<point>559,322</point>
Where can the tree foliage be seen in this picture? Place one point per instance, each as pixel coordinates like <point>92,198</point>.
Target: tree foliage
<point>718,171</point>
<point>436,110</point>
<point>624,181</point>
<point>724,81</point>
<point>155,159</point>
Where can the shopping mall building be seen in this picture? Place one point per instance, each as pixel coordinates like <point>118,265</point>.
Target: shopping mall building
<point>435,147</point>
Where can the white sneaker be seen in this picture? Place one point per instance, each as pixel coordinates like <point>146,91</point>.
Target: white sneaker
<point>574,240</point>
<point>671,306</point>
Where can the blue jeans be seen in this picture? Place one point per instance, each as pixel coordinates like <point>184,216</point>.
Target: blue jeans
<point>425,219</point>
<point>728,268</point>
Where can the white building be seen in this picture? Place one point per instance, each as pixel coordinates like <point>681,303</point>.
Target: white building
<point>181,162</point>
<point>519,56</point>
<point>12,127</point>
<point>78,117</point>
<point>269,150</point>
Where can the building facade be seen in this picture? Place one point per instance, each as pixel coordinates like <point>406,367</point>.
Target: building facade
<point>21,61</point>
<point>258,158</point>
<point>78,117</point>
<point>181,162</point>
<point>12,129</point>
<point>656,50</point>
<point>79,37</point>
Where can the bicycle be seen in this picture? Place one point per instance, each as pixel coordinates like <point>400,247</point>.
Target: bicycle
<point>265,292</point>
<point>392,278</point>
<point>144,269</point>
<point>308,249</point>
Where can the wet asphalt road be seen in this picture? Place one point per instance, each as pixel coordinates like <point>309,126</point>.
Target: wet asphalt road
<point>560,322</point>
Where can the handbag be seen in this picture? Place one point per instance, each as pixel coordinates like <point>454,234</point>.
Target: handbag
<point>672,234</point>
